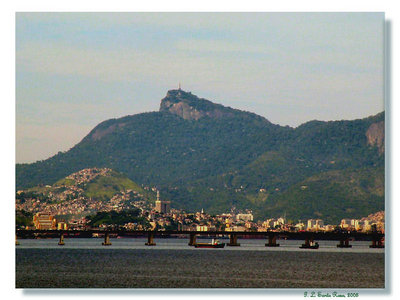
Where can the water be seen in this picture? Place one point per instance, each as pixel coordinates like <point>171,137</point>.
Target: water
<point>128,263</point>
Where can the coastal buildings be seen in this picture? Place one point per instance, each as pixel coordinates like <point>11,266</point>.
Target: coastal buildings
<point>244,217</point>
<point>44,221</point>
<point>69,200</point>
<point>300,226</point>
<point>315,224</point>
<point>200,221</point>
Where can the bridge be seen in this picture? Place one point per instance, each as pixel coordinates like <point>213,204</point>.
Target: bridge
<point>343,237</point>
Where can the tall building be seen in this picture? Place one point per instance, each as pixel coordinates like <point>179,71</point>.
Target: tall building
<point>162,206</point>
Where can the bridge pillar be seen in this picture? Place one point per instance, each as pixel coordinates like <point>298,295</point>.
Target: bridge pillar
<point>192,239</point>
<point>233,240</point>
<point>377,243</point>
<point>309,243</point>
<point>272,241</point>
<point>61,241</point>
<point>344,243</point>
<point>150,239</point>
<point>106,240</point>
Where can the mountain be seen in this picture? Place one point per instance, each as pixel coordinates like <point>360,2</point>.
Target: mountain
<point>162,147</point>
<point>191,107</point>
<point>205,155</point>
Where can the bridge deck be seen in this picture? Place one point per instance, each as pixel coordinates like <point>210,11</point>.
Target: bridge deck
<point>287,234</point>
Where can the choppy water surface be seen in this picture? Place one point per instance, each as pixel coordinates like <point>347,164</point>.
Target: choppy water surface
<point>128,263</point>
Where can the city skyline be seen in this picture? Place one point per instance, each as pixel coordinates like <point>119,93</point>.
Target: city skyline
<point>75,70</point>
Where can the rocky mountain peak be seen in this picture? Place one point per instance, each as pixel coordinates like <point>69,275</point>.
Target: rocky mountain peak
<point>376,136</point>
<point>190,107</point>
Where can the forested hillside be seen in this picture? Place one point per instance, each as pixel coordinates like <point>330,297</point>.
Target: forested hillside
<point>205,155</point>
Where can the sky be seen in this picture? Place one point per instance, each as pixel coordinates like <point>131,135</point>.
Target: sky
<point>75,70</point>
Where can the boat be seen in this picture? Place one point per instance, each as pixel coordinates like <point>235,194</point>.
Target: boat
<point>311,245</point>
<point>214,244</point>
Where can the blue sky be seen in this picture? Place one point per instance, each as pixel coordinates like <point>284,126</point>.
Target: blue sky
<point>74,70</point>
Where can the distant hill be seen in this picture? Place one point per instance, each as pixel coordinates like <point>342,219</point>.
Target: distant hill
<point>206,155</point>
<point>83,192</point>
<point>100,184</point>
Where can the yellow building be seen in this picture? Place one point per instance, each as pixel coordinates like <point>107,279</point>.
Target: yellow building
<point>44,221</point>
<point>201,228</point>
<point>62,226</point>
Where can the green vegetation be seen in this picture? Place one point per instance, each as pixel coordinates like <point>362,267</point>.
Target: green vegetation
<point>32,193</point>
<point>105,187</point>
<point>23,218</point>
<point>332,195</point>
<point>65,181</point>
<point>217,162</point>
<point>118,218</point>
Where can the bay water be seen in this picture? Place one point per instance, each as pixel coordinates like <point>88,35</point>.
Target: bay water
<point>129,263</point>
